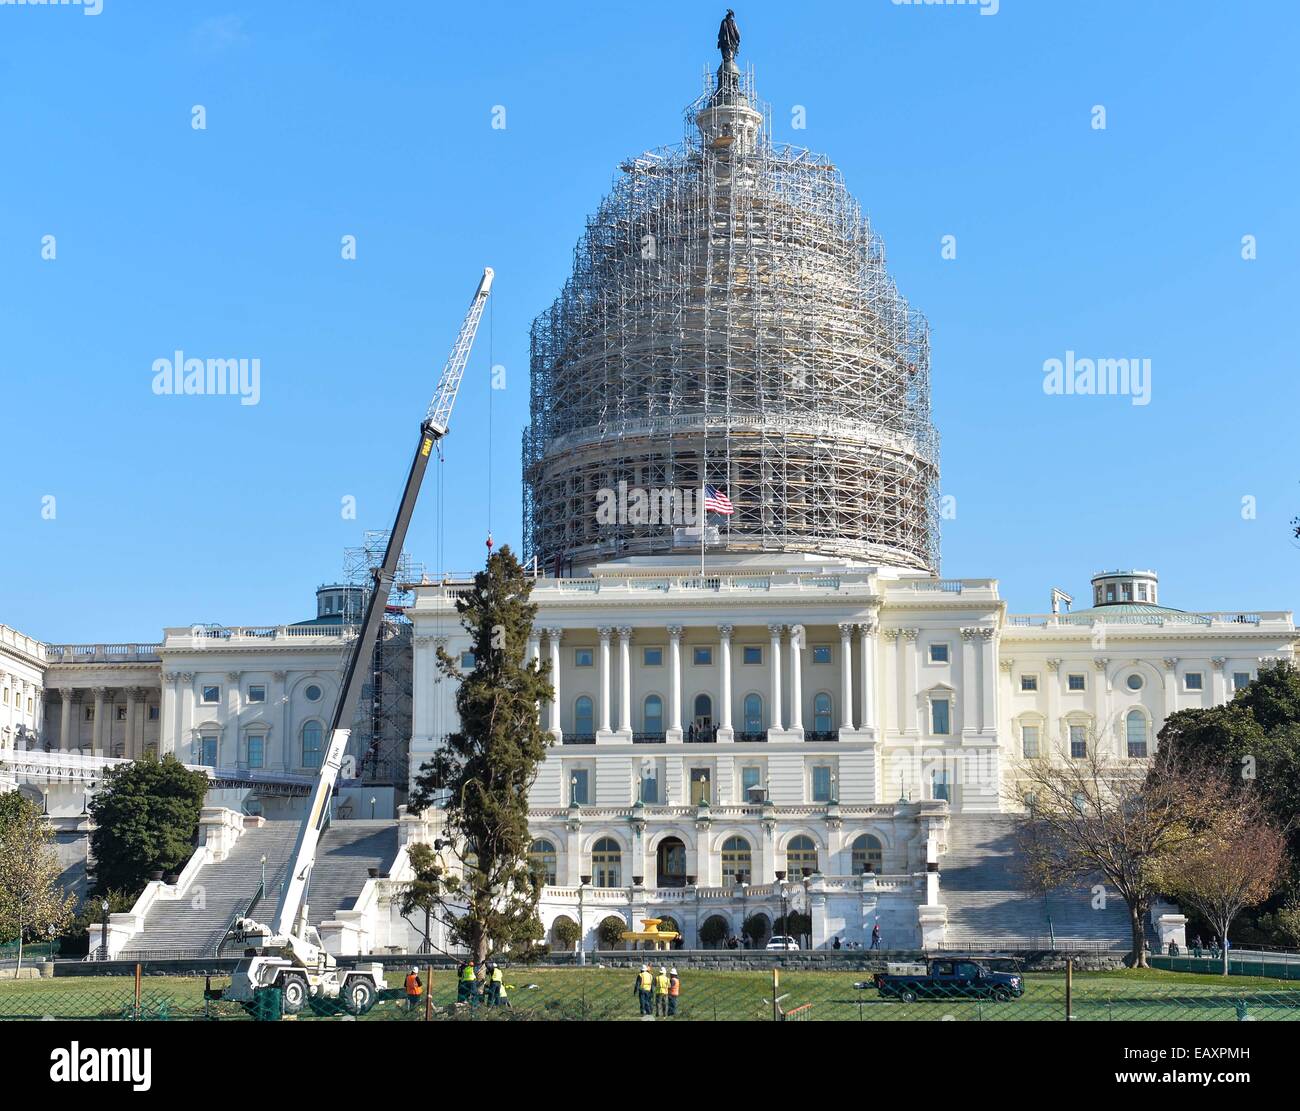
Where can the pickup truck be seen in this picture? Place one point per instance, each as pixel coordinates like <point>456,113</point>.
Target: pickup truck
<point>949,978</point>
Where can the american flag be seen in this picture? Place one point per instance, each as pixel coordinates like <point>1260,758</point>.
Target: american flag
<point>715,501</point>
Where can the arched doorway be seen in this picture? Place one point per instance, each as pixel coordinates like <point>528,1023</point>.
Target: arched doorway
<point>670,862</point>
<point>714,931</point>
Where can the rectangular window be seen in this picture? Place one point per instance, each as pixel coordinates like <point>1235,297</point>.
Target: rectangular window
<point>119,712</point>
<point>751,782</point>
<point>1076,682</point>
<point>650,787</point>
<point>153,713</point>
<point>821,783</point>
<point>90,713</point>
<point>256,750</point>
<point>208,752</point>
<point>467,661</point>
<point>938,653</point>
<point>578,781</point>
<point>1029,741</point>
<point>703,656</point>
<point>1193,681</point>
<point>211,695</point>
<point>1240,679</point>
<point>700,786</point>
<point>6,696</point>
<point>821,653</point>
<point>1078,742</point>
<point>584,657</point>
<point>1029,682</point>
<point>752,654</point>
<point>940,717</point>
<point>1142,592</point>
<point>652,657</point>
<point>257,693</point>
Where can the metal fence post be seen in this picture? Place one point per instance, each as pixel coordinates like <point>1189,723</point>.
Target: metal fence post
<point>1069,988</point>
<point>137,990</point>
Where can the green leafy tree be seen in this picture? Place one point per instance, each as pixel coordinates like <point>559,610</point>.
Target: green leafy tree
<point>482,776</point>
<point>32,901</point>
<point>713,931</point>
<point>422,895</point>
<point>146,817</point>
<point>566,933</point>
<point>610,932</point>
<point>755,928</point>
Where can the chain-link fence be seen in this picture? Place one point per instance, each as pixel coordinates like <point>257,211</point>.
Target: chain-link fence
<point>595,994</point>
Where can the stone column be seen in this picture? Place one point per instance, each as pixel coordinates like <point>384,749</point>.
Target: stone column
<point>605,632</point>
<point>233,753</point>
<point>778,718</point>
<point>674,731</point>
<point>1171,694</point>
<point>725,731</point>
<point>1218,681</point>
<point>988,675</point>
<point>185,749</point>
<point>1054,732</point>
<point>97,733</point>
<point>970,700</point>
<point>625,680</point>
<point>66,710</point>
<point>846,676</point>
<point>867,661</point>
<point>554,636</point>
<point>131,744</point>
<point>281,702</point>
<point>912,725</point>
<point>796,677</point>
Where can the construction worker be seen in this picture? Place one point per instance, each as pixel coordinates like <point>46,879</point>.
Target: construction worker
<point>644,988</point>
<point>414,989</point>
<point>466,985</point>
<point>674,990</point>
<point>661,993</point>
<point>498,987</point>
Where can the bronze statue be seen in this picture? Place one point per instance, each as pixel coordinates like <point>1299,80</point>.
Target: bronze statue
<point>729,37</point>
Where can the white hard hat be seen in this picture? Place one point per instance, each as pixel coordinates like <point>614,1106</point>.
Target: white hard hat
<point>663,970</point>
<point>645,968</point>
<point>672,972</point>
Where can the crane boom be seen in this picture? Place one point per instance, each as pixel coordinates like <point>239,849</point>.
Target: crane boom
<point>291,906</point>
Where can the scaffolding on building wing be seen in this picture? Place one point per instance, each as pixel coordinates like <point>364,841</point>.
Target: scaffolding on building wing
<point>730,320</point>
<point>381,735</point>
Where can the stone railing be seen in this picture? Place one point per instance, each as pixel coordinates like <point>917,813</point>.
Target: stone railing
<point>21,642</point>
<point>1219,618</point>
<point>102,653</point>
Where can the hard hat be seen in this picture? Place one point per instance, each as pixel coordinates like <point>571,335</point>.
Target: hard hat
<point>672,972</point>
<point>645,968</point>
<point>414,970</point>
<point>663,970</point>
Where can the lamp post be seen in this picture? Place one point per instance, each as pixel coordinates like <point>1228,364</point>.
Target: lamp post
<point>744,891</point>
<point>785,918</point>
<point>582,930</point>
<point>807,904</point>
<point>372,808</point>
<point>103,931</point>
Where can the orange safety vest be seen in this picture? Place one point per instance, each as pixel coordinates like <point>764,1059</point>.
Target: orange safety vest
<point>674,986</point>
<point>413,986</point>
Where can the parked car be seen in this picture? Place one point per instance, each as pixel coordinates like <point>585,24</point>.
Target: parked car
<point>782,943</point>
<point>950,979</point>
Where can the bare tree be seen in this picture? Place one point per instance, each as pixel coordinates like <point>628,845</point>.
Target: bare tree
<point>31,900</point>
<point>1236,861</point>
<point>1099,815</point>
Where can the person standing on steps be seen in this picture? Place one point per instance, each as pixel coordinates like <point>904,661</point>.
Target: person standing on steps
<point>875,936</point>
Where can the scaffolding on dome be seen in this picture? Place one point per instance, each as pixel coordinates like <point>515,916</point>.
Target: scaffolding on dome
<point>381,734</point>
<point>730,320</point>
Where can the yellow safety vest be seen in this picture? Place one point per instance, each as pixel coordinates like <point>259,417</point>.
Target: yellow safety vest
<point>645,980</point>
<point>497,976</point>
<point>467,975</point>
<point>661,985</point>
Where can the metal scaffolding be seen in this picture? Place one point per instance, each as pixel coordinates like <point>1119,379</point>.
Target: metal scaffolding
<point>381,734</point>
<point>730,319</point>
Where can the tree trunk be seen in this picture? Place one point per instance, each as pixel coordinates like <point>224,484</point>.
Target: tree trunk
<point>1225,952</point>
<point>1139,938</point>
<point>18,974</point>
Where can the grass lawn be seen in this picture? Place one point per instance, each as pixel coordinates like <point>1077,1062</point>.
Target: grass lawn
<point>605,994</point>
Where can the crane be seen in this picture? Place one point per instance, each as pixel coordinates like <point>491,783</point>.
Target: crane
<point>292,956</point>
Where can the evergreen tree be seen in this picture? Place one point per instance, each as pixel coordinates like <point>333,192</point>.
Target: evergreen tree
<point>481,777</point>
<point>146,817</point>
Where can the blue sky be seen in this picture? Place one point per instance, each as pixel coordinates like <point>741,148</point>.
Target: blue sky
<point>333,119</point>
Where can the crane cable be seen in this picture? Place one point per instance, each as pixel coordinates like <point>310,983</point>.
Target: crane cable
<point>491,391</point>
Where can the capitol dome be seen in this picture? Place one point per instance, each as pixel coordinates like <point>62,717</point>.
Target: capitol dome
<point>730,321</point>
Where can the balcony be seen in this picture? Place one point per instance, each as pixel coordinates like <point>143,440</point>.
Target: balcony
<point>578,738</point>
<point>750,738</point>
<point>648,738</point>
<point>822,735</point>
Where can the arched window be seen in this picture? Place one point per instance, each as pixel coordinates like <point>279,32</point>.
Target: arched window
<point>541,861</point>
<point>652,715</point>
<point>822,713</point>
<point>607,863</point>
<point>311,736</point>
<point>1135,726</point>
<point>737,861</point>
<point>867,854</point>
<point>753,713</point>
<point>800,853</point>
<point>583,717</point>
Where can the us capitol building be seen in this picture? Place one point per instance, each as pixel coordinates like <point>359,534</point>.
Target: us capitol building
<point>781,707</point>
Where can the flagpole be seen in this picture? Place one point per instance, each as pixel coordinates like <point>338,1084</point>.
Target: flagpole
<point>703,517</point>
